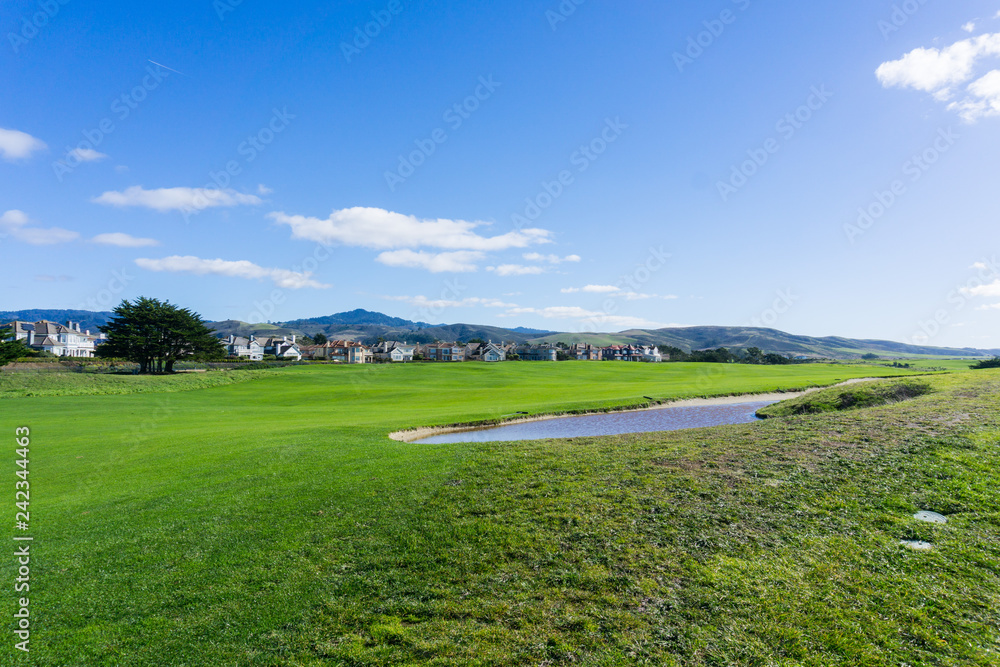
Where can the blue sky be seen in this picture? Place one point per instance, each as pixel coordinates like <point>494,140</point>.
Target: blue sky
<point>822,168</point>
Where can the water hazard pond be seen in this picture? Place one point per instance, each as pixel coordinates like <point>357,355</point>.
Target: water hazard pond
<point>671,418</point>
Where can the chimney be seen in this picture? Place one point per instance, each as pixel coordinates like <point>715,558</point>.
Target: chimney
<point>293,339</point>
<point>31,337</point>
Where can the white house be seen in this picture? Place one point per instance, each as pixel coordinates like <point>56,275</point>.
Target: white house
<point>62,341</point>
<point>283,348</point>
<point>395,351</point>
<point>489,352</point>
<point>651,354</point>
<point>238,346</point>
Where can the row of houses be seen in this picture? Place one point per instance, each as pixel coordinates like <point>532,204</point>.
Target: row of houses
<point>69,341</point>
<point>353,352</point>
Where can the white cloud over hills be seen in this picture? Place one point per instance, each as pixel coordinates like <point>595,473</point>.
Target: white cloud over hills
<point>234,269</point>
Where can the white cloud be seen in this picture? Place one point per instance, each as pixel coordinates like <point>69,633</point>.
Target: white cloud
<point>940,71</point>
<point>176,199</point>
<point>592,289</point>
<point>15,145</point>
<point>969,27</point>
<point>462,261</point>
<point>15,224</point>
<point>263,190</point>
<point>234,269</point>
<point>979,265</point>
<point>936,70</point>
<point>992,306</point>
<point>123,240</point>
<point>504,270</point>
<point>985,100</point>
<point>424,302</point>
<point>379,229</point>
<point>551,259</point>
<point>991,290</point>
<point>86,155</point>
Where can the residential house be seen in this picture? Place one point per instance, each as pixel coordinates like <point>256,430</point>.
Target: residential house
<point>346,352</point>
<point>244,348</point>
<point>61,340</point>
<point>450,352</point>
<point>584,352</point>
<point>394,351</point>
<point>651,354</point>
<point>488,352</point>
<point>283,348</point>
<point>537,352</point>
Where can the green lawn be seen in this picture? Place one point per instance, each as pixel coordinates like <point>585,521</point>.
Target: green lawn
<point>271,522</point>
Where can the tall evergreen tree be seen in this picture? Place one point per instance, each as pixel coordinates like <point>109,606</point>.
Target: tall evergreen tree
<point>156,334</point>
<point>10,349</point>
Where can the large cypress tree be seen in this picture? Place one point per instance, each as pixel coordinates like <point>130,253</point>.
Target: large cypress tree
<point>156,334</point>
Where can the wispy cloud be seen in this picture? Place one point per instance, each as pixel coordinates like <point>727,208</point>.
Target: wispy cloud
<point>615,291</point>
<point>461,261</point>
<point>379,229</point>
<point>591,289</point>
<point>991,290</point>
<point>16,224</point>
<point>233,269</point>
<point>551,259</point>
<point>17,145</point>
<point>123,240</point>
<point>941,71</point>
<point>504,270</point>
<point>588,317</point>
<point>86,155</point>
<point>423,302</point>
<point>176,199</point>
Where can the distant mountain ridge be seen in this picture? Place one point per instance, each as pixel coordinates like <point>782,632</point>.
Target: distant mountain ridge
<point>368,326</point>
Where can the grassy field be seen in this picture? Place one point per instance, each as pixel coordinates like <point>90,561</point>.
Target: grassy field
<point>271,522</point>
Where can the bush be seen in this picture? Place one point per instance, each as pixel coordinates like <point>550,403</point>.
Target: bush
<point>986,363</point>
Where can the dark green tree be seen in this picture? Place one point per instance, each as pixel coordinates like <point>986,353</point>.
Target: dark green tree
<point>986,363</point>
<point>319,339</point>
<point>156,334</point>
<point>11,349</point>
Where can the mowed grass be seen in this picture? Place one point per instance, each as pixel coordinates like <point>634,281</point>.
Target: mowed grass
<point>273,523</point>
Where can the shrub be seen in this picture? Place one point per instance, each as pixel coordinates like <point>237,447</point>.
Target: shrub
<point>986,363</point>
